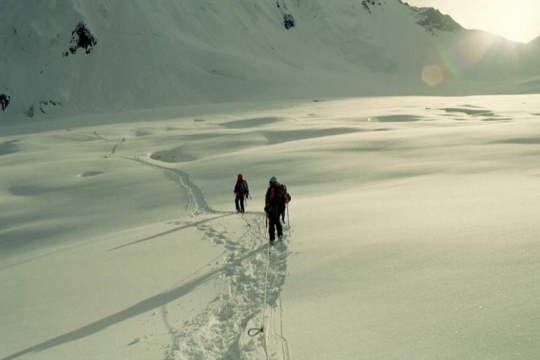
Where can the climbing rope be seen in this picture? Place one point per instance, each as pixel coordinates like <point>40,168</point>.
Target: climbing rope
<point>256,331</point>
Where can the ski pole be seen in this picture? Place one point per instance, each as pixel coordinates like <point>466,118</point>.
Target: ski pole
<point>288,221</point>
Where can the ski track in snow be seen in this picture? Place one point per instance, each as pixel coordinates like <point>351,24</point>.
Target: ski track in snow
<point>113,148</point>
<point>221,330</point>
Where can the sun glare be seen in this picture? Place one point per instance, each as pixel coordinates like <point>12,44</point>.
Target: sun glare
<point>515,20</point>
<point>450,61</point>
<point>510,25</point>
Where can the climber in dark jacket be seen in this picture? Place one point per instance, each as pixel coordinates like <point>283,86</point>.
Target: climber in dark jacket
<point>272,208</point>
<point>241,192</point>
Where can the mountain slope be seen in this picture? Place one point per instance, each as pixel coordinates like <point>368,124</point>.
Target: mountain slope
<point>65,56</point>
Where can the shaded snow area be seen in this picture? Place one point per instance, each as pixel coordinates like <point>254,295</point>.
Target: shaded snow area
<point>412,232</point>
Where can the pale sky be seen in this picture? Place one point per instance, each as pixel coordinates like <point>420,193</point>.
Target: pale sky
<point>517,20</point>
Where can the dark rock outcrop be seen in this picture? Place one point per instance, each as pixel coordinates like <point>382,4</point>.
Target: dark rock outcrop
<point>4,101</point>
<point>288,19</point>
<point>46,106</point>
<point>366,3</point>
<point>433,20</point>
<point>81,38</point>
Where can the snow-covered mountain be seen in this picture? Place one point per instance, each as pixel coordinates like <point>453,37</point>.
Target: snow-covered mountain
<point>536,41</point>
<point>67,56</point>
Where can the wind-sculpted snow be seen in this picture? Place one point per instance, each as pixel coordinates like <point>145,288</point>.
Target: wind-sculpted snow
<point>472,112</point>
<point>28,190</point>
<point>90,174</point>
<point>521,141</point>
<point>8,147</point>
<point>405,216</point>
<point>396,118</point>
<point>250,123</point>
<point>278,137</point>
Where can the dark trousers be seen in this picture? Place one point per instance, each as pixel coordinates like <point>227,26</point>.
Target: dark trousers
<point>282,214</point>
<point>239,202</point>
<point>274,223</point>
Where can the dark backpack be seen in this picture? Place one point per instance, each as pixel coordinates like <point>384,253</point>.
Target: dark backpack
<point>282,194</point>
<point>244,189</point>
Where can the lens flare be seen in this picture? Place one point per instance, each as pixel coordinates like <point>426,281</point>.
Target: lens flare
<point>450,61</point>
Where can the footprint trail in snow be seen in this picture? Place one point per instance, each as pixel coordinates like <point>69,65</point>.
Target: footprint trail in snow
<point>248,264</point>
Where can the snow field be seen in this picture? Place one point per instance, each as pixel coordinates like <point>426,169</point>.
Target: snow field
<point>413,232</point>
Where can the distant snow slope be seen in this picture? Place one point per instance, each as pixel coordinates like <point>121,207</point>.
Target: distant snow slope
<point>68,56</point>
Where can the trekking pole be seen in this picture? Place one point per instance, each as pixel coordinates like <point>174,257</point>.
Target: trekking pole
<point>288,221</point>
<point>246,198</point>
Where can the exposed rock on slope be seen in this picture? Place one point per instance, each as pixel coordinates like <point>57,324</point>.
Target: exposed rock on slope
<point>81,38</point>
<point>434,21</point>
<point>4,101</point>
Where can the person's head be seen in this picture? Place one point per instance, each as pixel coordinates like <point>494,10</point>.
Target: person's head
<point>273,181</point>
<point>240,177</point>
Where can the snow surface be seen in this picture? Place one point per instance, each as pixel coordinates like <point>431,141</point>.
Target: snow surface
<point>413,232</point>
<point>413,224</point>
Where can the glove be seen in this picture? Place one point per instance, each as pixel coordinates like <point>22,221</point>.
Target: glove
<point>267,208</point>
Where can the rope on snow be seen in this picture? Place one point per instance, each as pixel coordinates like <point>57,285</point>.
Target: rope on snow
<point>256,331</point>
